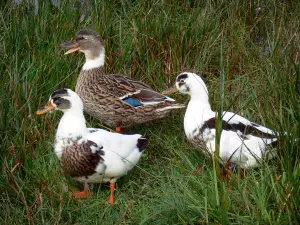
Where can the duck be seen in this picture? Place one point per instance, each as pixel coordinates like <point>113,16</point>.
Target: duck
<point>117,100</point>
<point>243,144</point>
<point>90,155</point>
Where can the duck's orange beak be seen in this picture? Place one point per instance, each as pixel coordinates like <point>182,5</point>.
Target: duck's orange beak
<point>72,45</point>
<point>47,108</point>
<point>170,91</point>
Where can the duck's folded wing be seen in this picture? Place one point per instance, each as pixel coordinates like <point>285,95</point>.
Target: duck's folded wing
<point>245,127</point>
<point>121,144</point>
<point>83,158</point>
<point>147,97</point>
<point>134,93</point>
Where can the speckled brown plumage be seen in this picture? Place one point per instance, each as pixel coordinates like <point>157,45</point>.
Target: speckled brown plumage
<point>78,160</point>
<point>101,96</point>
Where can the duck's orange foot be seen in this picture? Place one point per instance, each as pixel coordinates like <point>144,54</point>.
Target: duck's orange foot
<point>83,194</point>
<point>112,194</point>
<point>111,201</point>
<point>120,130</point>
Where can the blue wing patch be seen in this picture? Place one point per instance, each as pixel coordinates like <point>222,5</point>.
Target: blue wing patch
<point>133,102</point>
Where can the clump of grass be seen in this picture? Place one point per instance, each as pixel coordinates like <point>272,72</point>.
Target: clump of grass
<point>252,45</point>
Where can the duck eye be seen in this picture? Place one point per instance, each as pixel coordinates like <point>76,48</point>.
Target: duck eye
<point>56,100</point>
<point>81,38</point>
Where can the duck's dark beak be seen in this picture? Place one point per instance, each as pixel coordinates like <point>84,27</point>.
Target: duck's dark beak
<point>170,91</point>
<point>47,108</point>
<point>72,45</point>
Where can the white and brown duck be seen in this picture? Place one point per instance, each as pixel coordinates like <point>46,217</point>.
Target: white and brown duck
<point>243,143</point>
<point>91,155</point>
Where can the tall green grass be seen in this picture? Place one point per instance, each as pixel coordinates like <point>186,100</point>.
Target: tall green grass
<point>251,53</point>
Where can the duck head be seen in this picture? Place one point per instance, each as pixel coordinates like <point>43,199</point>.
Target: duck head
<point>87,41</point>
<point>190,84</point>
<point>63,100</point>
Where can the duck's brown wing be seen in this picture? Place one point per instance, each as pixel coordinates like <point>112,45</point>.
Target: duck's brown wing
<point>79,160</point>
<point>124,87</point>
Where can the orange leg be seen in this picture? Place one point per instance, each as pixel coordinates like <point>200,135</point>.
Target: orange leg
<point>83,194</point>
<point>112,194</point>
<point>120,130</point>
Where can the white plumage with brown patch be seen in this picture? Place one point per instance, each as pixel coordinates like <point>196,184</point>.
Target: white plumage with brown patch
<point>91,155</point>
<point>242,142</point>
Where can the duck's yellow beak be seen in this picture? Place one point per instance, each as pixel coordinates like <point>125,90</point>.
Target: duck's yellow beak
<point>47,108</point>
<point>72,45</point>
<point>170,91</point>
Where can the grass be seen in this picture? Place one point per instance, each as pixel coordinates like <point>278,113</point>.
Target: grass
<point>252,52</point>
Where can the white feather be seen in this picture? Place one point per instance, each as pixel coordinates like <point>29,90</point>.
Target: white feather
<point>170,107</point>
<point>96,62</point>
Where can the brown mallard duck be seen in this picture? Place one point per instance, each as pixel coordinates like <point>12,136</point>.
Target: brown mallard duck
<point>117,100</point>
<point>91,155</point>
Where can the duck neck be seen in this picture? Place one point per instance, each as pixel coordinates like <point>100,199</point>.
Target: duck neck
<point>198,108</point>
<point>198,105</point>
<point>71,125</point>
<point>200,97</point>
<point>93,62</point>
